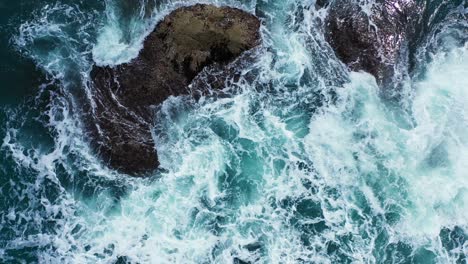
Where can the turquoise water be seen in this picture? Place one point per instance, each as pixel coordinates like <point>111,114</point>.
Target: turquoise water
<point>310,163</point>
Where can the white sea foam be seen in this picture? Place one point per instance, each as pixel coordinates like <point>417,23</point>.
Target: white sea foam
<point>239,171</point>
<point>429,158</point>
<point>438,146</point>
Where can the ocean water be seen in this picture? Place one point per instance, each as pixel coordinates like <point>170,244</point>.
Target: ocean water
<point>309,163</point>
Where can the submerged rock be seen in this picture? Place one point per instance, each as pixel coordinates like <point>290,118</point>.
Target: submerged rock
<point>184,43</point>
<point>372,37</point>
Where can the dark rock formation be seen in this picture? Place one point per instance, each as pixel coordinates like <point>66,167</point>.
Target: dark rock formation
<point>188,40</point>
<point>372,41</point>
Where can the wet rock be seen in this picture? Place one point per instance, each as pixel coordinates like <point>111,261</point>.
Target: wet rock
<point>321,3</point>
<point>373,37</point>
<point>187,41</point>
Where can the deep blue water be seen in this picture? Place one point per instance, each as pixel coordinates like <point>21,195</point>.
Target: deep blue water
<point>307,164</point>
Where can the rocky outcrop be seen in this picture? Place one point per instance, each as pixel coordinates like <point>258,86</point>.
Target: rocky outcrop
<point>184,43</point>
<point>373,39</point>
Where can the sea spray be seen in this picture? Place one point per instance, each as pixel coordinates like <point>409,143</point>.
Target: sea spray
<point>307,163</point>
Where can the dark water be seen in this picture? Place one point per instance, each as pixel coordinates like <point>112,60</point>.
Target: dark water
<point>306,165</point>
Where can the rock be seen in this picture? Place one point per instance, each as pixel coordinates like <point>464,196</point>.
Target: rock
<point>373,40</point>
<point>321,3</point>
<point>184,43</point>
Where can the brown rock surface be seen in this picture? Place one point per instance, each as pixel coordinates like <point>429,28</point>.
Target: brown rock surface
<point>181,46</point>
<point>371,41</point>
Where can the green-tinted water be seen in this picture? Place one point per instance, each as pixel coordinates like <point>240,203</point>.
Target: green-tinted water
<point>307,164</point>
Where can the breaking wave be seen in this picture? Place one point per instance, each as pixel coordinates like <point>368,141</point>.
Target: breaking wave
<point>308,163</point>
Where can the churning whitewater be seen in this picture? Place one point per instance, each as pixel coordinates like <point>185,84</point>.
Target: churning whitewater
<point>307,163</point>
